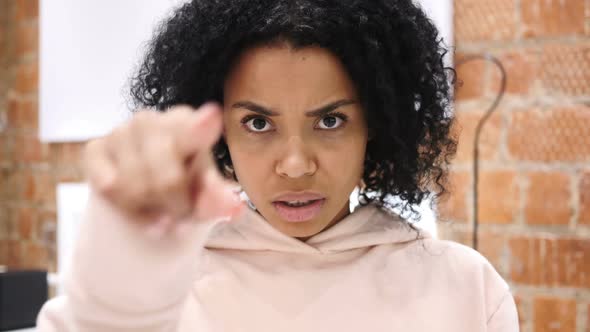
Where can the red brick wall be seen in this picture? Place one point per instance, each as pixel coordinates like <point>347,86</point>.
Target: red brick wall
<point>534,199</point>
<point>29,170</point>
<point>535,178</point>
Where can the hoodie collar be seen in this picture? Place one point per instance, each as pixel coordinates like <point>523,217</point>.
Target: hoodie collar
<point>366,226</point>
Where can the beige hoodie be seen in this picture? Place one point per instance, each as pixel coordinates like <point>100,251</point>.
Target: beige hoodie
<point>369,272</point>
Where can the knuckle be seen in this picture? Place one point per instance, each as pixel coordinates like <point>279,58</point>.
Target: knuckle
<point>163,150</point>
<point>106,186</point>
<point>170,181</point>
<point>166,143</point>
<point>138,192</point>
<point>170,145</point>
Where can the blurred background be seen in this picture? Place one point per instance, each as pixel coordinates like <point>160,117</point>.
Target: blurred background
<point>533,208</point>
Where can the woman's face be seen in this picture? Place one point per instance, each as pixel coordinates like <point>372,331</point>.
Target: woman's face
<point>296,135</point>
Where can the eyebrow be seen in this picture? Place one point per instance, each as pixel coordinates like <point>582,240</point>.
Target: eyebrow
<point>323,110</point>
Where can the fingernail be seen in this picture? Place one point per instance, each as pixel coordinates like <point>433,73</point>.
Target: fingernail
<point>208,108</point>
<point>211,105</point>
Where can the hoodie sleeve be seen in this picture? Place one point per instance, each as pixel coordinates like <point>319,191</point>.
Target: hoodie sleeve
<point>505,318</point>
<point>502,315</point>
<point>121,279</point>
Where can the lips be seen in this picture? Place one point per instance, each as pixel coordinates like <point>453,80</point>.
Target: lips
<point>299,197</point>
<point>298,207</point>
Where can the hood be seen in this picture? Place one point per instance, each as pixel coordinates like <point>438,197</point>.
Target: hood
<point>366,226</point>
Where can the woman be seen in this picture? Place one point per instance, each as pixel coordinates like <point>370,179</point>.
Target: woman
<point>317,98</point>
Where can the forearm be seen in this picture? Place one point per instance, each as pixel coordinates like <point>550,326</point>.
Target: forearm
<point>121,279</point>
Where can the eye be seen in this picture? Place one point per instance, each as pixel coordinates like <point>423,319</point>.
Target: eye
<point>332,121</point>
<point>256,124</point>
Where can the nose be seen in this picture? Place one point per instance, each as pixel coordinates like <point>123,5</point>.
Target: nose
<point>295,160</point>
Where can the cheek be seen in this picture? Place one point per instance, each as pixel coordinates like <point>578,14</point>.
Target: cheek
<point>250,162</point>
<point>345,161</point>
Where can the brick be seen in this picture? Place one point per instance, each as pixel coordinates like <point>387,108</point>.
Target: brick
<point>25,218</point>
<point>69,174</point>
<point>39,187</point>
<point>498,197</point>
<point>489,140</point>
<point>13,254</point>
<point>22,114</point>
<point>11,183</point>
<point>29,149</point>
<point>25,223</point>
<point>560,134</point>
<point>27,78</point>
<point>3,39</point>
<point>470,79</point>
<point>448,232</point>
<point>10,227</point>
<point>51,263</point>
<point>554,314</point>
<point>483,20</point>
<point>493,246</point>
<point>548,199</point>
<point>28,186</point>
<point>6,223</point>
<point>521,67</point>
<point>543,18</point>
<point>454,206</point>
<point>26,10</point>
<point>521,306</point>
<point>584,199</point>
<point>3,252</point>
<point>27,39</point>
<point>67,154</point>
<point>6,147</point>
<point>46,231</point>
<point>550,261</point>
<point>35,256</point>
<point>565,69</point>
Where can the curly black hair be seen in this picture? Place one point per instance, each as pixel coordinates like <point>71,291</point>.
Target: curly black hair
<point>391,50</point>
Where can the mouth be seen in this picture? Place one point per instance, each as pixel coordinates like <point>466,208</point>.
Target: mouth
<point>299,207</point>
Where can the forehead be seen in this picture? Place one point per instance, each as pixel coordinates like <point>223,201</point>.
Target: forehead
<point>282,71</point>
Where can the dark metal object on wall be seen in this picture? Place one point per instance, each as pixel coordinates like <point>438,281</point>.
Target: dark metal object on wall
<point>478,130</point>
<point>22,294</point>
